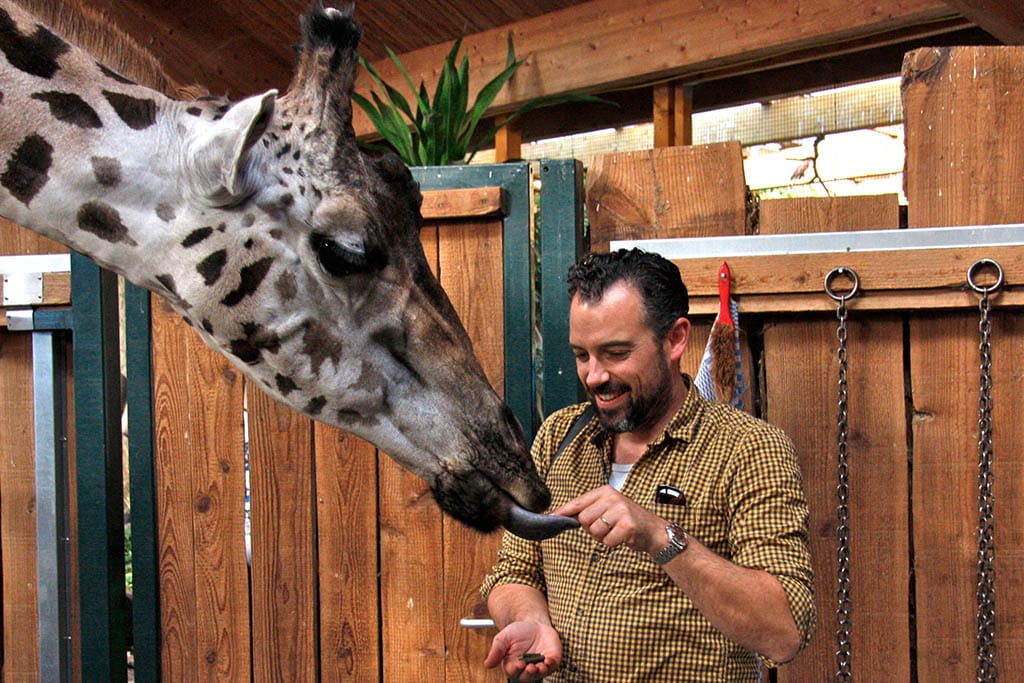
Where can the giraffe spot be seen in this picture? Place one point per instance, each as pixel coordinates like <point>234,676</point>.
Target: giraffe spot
<point>249,244</point>
<point>28,168</point>
<point>247,220</point>
<point>314,406</point>
<point>212,266</point>
<point>284,150</point>
<point>110,73</point>
<point>320,345</point>
<point>165,212</point>
<point>70,108</point>
<point>285,385</point>
<point>107,171</point>
<point>286,287</point>
<point>104,221</point>
<point>36,54</point>
<point>167,281</point>
<point>194,111</point>
<point>137,113</point>
<point>251,278</point>
<point>256,340</point>
<point>207,325</point>
<point>196,236</point>
<point>245,351</point>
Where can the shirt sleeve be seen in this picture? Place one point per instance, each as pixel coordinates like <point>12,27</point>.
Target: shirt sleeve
<point>520,561</point>
<point>770,519</point>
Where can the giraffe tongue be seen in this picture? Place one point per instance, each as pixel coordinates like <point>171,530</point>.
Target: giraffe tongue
<point>537,527</point>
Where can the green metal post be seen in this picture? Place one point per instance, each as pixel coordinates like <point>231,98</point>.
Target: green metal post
<point>104,614</point>
<point>141,466</point>
<point>562,242</point>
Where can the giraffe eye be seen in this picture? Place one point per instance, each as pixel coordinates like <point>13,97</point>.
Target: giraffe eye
<point>340,261</point>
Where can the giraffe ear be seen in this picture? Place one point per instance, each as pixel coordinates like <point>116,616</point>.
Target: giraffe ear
<point>219,156</point>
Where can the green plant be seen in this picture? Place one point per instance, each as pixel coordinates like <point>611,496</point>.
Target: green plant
<point>443,128</point>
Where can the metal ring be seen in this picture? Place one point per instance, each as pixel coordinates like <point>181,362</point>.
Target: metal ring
<point>976,268</point>
<point>606,522</point>
<point>837,272</point>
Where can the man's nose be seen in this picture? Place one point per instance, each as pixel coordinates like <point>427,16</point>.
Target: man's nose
<point>594,374</point>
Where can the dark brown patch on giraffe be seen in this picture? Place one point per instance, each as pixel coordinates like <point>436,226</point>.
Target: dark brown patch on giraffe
<point>284,150</point>
<point>110,73</point>
<point>285,385</point>
<point>249,244</point>
<point>104,221</point>
<point>251,277</point>
<point>320,345</point>
<point>247,220</point>
<point>107,171</point>
<point>36,54</point>
<point>315,405</point>
<point>196,236</point>
<point>207,325</point>
<point>194,111</point>
<point>286,287</point>
<point>165,212</point>
<point>137,113</point>
<point>28,168</point>
<point>257,339</point>
<point>167,281</point>
<point>212,266</point>
<point>69,108</point>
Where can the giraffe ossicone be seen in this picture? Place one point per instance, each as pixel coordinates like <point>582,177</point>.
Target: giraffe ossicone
<point>285,247</point>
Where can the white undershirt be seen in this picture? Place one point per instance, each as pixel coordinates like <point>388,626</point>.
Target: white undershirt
<point>619,474</point>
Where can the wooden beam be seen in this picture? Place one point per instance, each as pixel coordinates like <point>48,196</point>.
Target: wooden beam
<point>1004,19</point>
<point>473,202</point>
<point>606,45</point>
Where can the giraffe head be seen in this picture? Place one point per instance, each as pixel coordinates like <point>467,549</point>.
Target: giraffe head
<point>283,245</point>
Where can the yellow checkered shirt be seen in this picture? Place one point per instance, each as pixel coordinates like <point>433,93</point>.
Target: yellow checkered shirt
<point>619,615</point>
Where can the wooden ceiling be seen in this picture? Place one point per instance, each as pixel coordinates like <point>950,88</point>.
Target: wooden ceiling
<point>743,49</point>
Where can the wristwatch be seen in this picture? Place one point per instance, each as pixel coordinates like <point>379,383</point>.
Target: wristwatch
<point>678,540</point>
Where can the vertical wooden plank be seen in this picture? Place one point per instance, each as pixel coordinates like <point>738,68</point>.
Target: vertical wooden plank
<point>346,503</point>
<point>965,158</point>
<point>690,191</point>
<point>412,638</point>
<point>178,609</point>
<point>801,374</point>
<point>17,510</point>
<point>216,451</point>
<point>470,258</point>
<point>284,588</point>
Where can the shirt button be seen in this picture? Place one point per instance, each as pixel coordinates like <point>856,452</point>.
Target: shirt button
<point>595,556</point>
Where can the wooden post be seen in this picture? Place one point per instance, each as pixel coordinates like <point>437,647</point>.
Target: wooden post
<point>508,142</point>
<point>965,155</point>
<point>673,114</point>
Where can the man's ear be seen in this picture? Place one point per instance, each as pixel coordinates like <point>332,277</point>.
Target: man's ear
<point>677,338</point>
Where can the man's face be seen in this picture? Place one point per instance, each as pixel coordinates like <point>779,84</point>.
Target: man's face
<point>626,372</point>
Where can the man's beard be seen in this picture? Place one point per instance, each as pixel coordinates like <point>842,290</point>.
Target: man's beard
<point>641,410</point>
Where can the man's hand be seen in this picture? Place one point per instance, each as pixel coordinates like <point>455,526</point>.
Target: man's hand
<point>614,519</point>
<point>525,638</point>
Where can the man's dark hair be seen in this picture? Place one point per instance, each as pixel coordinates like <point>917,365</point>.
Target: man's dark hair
<point>656,279</point>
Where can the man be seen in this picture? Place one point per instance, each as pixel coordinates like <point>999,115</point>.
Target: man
<point>692,560</point>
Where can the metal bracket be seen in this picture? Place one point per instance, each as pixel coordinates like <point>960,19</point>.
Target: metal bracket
<point>20,320</point>
<point>23,289</point>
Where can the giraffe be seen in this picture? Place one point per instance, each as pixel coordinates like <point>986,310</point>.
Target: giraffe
<point>277,240</point>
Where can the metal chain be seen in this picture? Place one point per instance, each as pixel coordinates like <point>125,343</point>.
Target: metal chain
<point>844,652</point>
<point>986,644</point>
